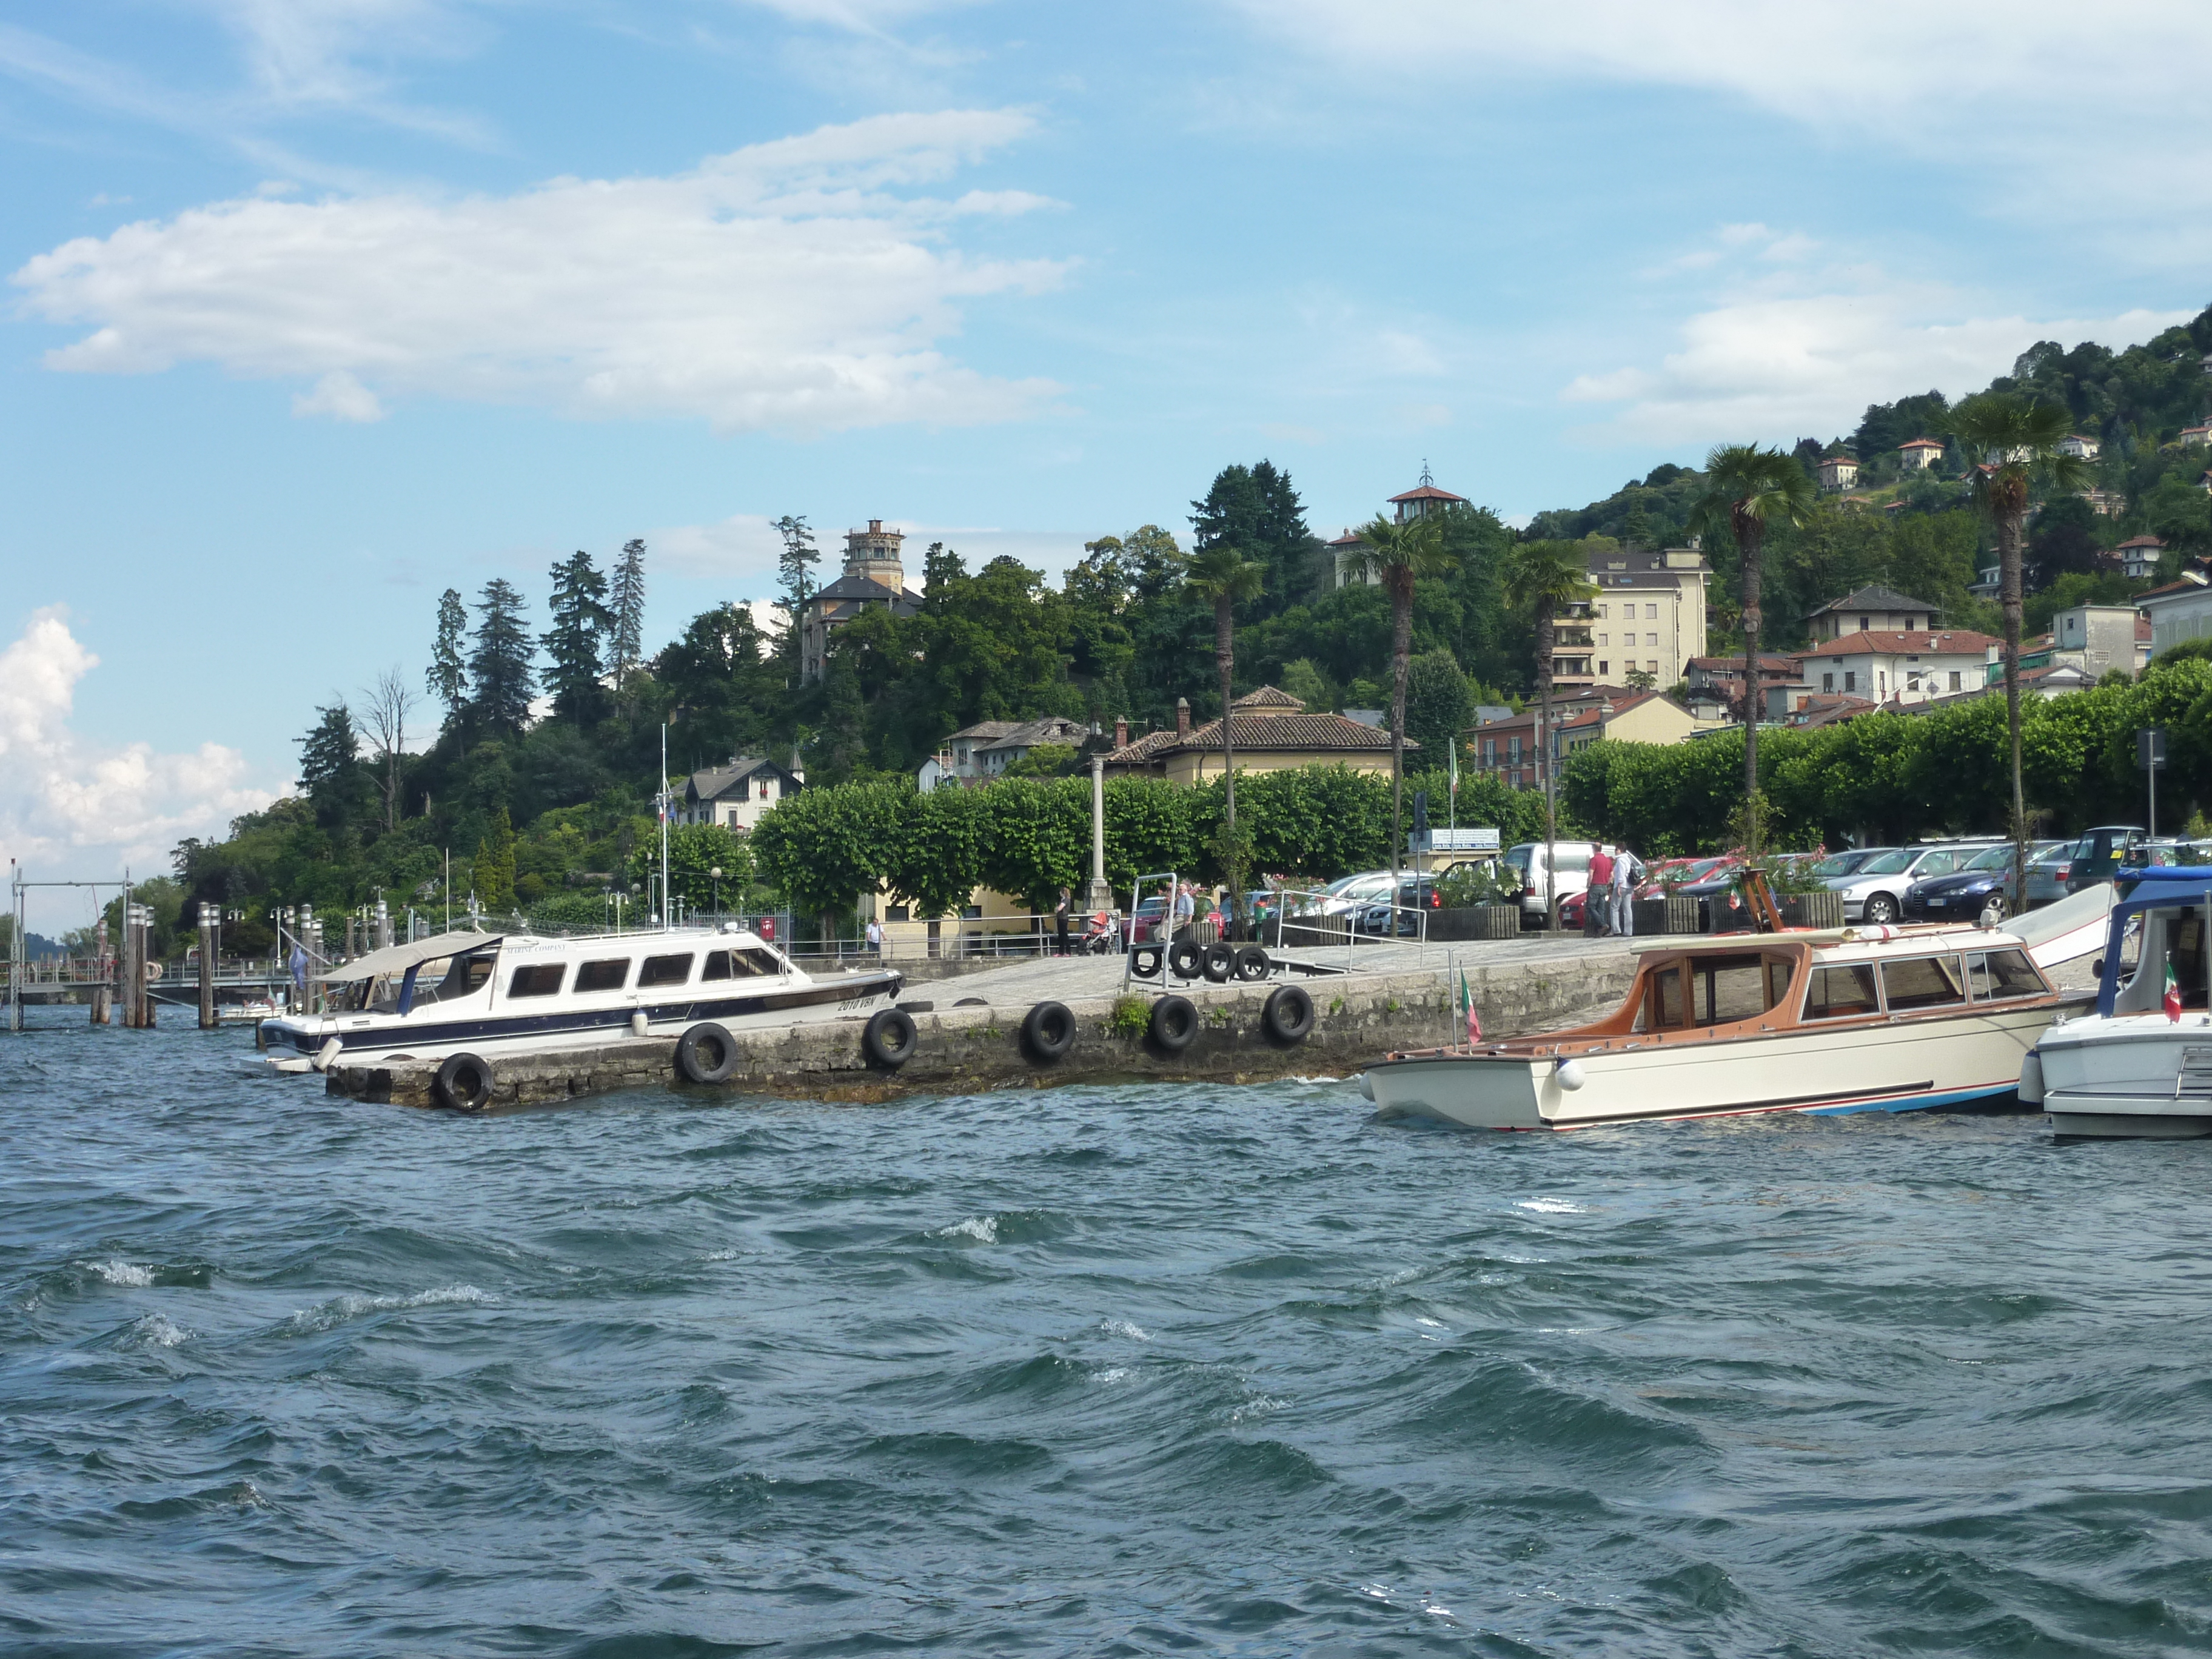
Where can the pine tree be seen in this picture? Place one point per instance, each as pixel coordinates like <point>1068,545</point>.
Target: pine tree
<point>330,767</point>
<point>449,677</point>
<point>580,620</point>
<point>499,663</point>
<point>626,644</point>
<point>1256,509</point>
<point>794,564</point>
<point>495,864</point>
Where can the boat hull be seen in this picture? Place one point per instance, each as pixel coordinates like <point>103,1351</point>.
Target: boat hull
<point>378,1039</point>
<point>1908,1065</point>
<point>2136,1077</point>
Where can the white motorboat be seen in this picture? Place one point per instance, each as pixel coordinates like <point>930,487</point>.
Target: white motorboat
<point>1842,1020</point>
<point>2141,1066</point>
<point>491,995</point>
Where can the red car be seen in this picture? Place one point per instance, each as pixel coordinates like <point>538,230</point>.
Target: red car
<point>1144,926</point>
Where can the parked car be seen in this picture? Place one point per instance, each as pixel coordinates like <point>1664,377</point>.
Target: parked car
<point>2098,853</point>
<point>1570,873</point>
<point>2046,873</point>
<point>1144,926</point>
<point>1415,893</point>
<point>1875,892</point>
<point>1849,862</point>
<point>1674,874</point>
<point>1965,892</point>
<point>1348,895</point>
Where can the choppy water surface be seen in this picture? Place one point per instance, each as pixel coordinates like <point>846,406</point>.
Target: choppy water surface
<point>1100,1370</point>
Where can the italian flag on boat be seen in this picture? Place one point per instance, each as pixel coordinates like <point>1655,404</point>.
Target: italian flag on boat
<point>2172,1002</point>
<point>1475,1020</point>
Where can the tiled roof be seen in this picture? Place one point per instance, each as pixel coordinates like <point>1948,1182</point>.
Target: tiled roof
<point>849,586</point>
<point>986,731</point>
<point>1028,734</point>
<point>1923,443</point>
<point>1872,599</point>
<point>1260,734</point>
<point>1830,711</point>
<point>1428,492</point>
<point>2139,541</point>
<point>1350,538</point>
<point>1583,709</point>
<point>1768,663</point>
<point>1958,642</point>
<point>706,785</point>
<point>1269,697</point>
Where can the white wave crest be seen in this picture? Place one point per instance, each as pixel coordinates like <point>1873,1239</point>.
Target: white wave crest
<point>1112,1374</point>
<point>116,1271</point>
<point>983,1229</point>
<point>157,1330</point>
<point>1123,1327</point>
<point>1549,1207</point>
<point>328,1315</point>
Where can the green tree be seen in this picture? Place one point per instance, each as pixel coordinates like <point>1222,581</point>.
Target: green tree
<point>696,851</point>
<point>1439,703</point>
<point>626,605</point>
<point>1221,576</point>
<point>493,867</point>
<point>448,678</point>
<point>581,619</point>
<point>1303,680</point>
<point>2014,439</point>
<point>794,569</point>
<point>330,768</point>
<point>498,661</point>
<point>1401,555</point>
<point>1748,490</point>
<point>1255,510</point>
<point>824,847</point>
<point>1542,579</point>
<point>935,860</point>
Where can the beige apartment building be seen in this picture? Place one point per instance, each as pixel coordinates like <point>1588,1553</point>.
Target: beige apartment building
<point>1648,615</point>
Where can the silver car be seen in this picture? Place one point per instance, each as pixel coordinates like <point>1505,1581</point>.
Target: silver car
<point>1875,892</point>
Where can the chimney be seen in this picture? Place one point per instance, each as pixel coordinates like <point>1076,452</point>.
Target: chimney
<point>1121,731</point>
<point>1182,717</point>
<point>875,526</point>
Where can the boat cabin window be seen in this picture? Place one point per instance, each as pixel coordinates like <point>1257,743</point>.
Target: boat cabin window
<point>464,976</point>
<point>751,963</point>
<point>1841,992</point>
<point>665,971</point>
<point>1922,982</point>
<point>1662,1000</point>
<point>1714,991</point>
<point>2173,940</point>
<point>608,975</point>
<point>536,979</point>
<point>2001,974</point>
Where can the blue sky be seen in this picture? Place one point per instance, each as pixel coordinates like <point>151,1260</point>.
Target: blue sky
<point>318,306</point>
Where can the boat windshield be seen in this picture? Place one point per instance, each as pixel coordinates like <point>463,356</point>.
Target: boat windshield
<point>1711,990</point>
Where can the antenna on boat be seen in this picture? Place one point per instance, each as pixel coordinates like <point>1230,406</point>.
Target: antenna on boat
<point>667,920</point>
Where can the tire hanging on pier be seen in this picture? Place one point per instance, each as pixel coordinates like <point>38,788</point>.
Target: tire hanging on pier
<point>1187,958</point>
<point>1220,962</point>
<point>464,1084</point>
<point>1288,1015</point>
<point>707,1053</point>
<point>1145,960</point>
<point>1174,1023</point>
<point>889,1039</point>
<point>1252,964</point>
<point>1048,1031</point>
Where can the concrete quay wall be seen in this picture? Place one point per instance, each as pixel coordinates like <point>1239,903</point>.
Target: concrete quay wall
<point>1357,1019</point>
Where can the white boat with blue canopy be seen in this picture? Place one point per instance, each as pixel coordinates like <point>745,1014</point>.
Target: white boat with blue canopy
<point>2140,1067</point>
<point>492,994</point>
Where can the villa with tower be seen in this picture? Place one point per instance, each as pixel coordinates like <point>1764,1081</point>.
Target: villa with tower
<point>873,576</point>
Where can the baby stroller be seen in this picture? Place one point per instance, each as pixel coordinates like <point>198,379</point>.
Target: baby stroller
<point>1101,936</point>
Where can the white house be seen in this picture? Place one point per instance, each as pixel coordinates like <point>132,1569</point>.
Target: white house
<point>1874,609</point>
<point>976,754</point>
<point>2081,448</point>
<point>2138,557</point>
<point>735,796</point>
<point>2179,610</point>
<point>2195,437</point>
<point>1897,667</point>
<point>1837,472</point>
<point>1920,454</point>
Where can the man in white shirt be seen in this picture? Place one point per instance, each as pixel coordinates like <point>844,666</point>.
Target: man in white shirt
<point>1628,872</point>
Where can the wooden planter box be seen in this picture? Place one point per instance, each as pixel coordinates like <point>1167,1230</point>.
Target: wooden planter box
<point>1670,914</point>
<point>1475,922</point>
<point>1824,909</point>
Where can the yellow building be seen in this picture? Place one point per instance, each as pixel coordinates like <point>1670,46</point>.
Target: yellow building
<point>1270,732</point>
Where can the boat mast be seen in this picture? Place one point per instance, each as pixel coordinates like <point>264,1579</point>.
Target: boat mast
<point>667,919</point>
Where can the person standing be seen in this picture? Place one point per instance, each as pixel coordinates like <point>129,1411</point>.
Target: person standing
<point>1598,896</point>
<point>875,933</point>
<point>1060,922</point>
<point>1627,871</point>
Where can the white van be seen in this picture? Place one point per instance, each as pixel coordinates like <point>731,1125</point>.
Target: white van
<point>1570,861</point>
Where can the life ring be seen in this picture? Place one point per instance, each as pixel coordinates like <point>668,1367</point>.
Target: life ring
<point>707,1053</point>
<point>1144,962</point>
<point>153,970</point>
<point>1220,962</point>
<point>464,1084</point>
<point>889,1039</point>
<point>1288,1015</point>
<point>1252,964</point>
<point>1174,1023</point>
<point>1186,958</point>
<point>1048,1031</point>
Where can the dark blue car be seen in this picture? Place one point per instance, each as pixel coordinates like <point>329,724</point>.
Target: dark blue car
<point>1964,894</point>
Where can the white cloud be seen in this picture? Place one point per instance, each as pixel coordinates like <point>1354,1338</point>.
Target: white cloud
<point>340,397</point>
<point>75,808</point>
<point>794,284</point>
<point>2032,84</point>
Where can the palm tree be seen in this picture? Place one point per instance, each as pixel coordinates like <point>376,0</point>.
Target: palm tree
<point>1224,575</point>
<point>2017,440</point>
<point>1747,490</point>
<point>1543,578</point>
<point>1399,555</point>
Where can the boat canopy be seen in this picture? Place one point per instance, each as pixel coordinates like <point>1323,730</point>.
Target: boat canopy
<point>399,958</point>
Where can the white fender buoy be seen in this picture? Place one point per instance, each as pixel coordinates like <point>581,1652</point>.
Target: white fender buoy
<point>637,1022</point>
<point>1367,1084</point>
<point>2030,1080</point>
<point>1571,1074</point>
<point>327,1055</point>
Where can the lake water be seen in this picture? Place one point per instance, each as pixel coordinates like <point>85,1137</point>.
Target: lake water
<point>1098,1370</point>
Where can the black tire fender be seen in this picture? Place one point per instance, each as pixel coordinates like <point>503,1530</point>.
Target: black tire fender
<point>1174,1023</point>
<point>707,1053</point>
<point>889,1039</point>
<point>1048,1031</point>
<point>1145,960</point>
<point>1288,1015</point>
<point>1252,964</point>
<point>1220,961</point>
<point>465,1084</point>
<point>1187,958</point>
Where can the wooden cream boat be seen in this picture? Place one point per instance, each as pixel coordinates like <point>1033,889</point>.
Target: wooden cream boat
<point>1842,1020</point>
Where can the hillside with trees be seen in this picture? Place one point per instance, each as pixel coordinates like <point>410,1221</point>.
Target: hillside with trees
<point>538,786</point>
